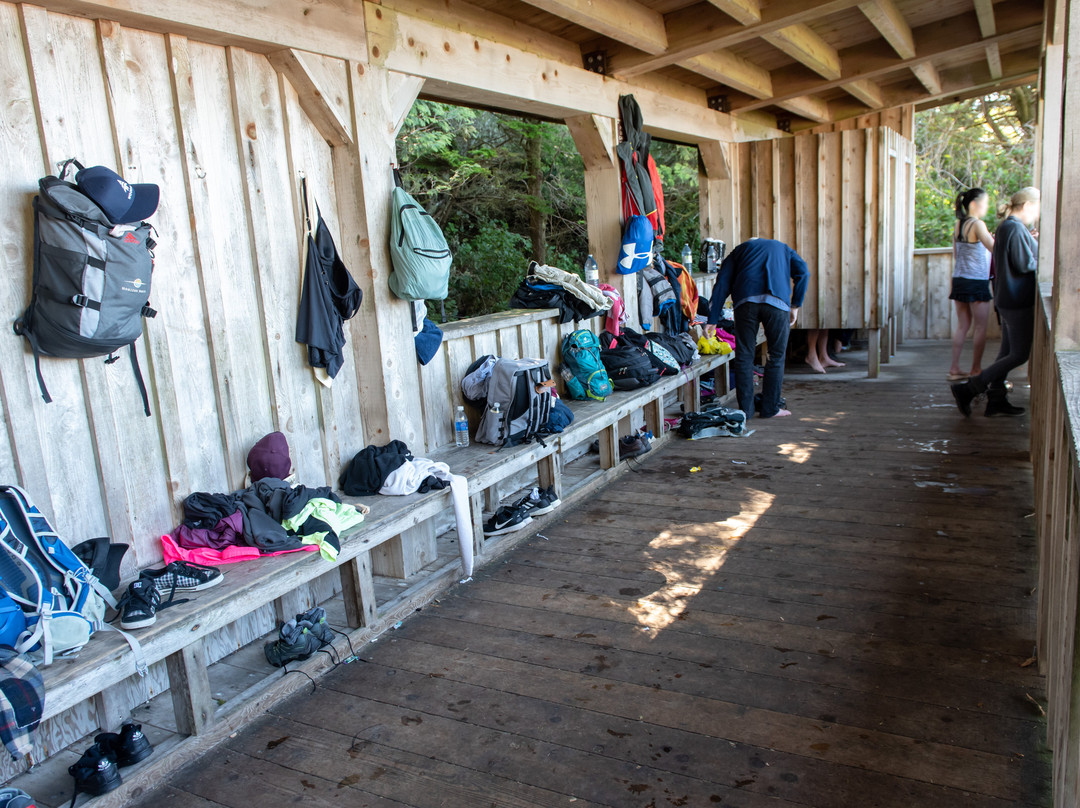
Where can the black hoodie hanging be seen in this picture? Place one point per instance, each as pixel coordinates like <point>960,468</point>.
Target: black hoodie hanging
<point>328,298</point>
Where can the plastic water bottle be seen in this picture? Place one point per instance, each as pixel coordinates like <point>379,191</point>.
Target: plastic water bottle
<point>461,427</point>
<point>687,258</point>
<point>592,272</point>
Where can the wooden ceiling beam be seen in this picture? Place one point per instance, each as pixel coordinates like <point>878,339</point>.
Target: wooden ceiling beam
<point>867,91</point>
<point>806,47</point>
<point>810,107</point>
<point>1018,24</point>
<point>725,67</point>
<point>689,35</point>
<point>928,75</point>
<point>747,12</point>
<point>886,17</point>
<point>984,10</point>
<point>625,21</point>
<point>993,60</point>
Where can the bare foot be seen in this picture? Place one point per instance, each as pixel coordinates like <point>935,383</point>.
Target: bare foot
<point>815,365</point>
<point>829,362</point>
<point>781,413</point>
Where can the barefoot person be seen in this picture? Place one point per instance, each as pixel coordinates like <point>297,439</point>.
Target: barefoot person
<point>767,281</point>
<point>817,350</point>
<point>972,247</point>
<point>1016,265</point>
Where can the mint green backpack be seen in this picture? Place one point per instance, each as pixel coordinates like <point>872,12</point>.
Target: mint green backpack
<point>418,250</point>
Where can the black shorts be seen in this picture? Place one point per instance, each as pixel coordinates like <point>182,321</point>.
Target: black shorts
<point>970,290</point>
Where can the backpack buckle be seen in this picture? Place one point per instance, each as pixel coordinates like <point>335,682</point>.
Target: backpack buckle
<point>82,301</point>
<point>111,358</point>
<point>148,312</point>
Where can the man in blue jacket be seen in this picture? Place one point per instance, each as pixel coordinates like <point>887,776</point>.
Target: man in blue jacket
<point>767,281</point>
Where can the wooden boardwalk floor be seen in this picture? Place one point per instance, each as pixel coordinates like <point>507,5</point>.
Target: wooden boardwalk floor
<point>833,612</point>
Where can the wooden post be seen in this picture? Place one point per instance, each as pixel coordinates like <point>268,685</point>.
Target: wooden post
<point>190,689</point>
<point>654,417</point>
<point>609,446</point>
<point>717,193</point>
<point>549,470</point>
<point>1066,323</point>
<point>407,554</point>
<point>358,591</point>
<point>1049,142</point>
<point>874,353</point>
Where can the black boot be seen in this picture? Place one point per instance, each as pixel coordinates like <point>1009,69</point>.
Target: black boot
<point>95,774</point>
<point>998,404</point>
<point>964,393</point>
<point>127,747</point>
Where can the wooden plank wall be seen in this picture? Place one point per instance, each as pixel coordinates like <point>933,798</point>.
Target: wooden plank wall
<point>824,195</point>
<point>224,136</point>
<point>929,314</point>
<point>1055,437</point>
<point>900,119</point>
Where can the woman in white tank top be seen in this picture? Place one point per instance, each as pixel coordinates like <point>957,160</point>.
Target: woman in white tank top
<point>972,248</point>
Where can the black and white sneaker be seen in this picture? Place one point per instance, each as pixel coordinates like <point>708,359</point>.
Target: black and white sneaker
<point>183,576</point>
<point>539,501</point>
<point>507,519</point>
<point>139,605</point>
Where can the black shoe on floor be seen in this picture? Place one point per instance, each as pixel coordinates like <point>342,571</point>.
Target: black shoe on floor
<point>633,446</point>
<point>295,643</point>
<point>997,403</point>
<point>539,501</point>
<point>127,747</point>
<point>139,605</point>
<point>95,774</point>
<point>964,393</point>
<point>506,519</point>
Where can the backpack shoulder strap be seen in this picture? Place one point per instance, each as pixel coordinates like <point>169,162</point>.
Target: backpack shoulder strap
<point>134,356</point>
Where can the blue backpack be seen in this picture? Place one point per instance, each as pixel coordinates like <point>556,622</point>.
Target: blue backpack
<point>582,370</point>
<point>61,602</point>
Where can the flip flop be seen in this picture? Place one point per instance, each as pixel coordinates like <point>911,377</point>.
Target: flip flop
<point>957,377</point>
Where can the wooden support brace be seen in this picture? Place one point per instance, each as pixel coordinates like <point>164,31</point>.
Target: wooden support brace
<point>405,555</point>
<point>358,591</point>
<point>654,417</point>
<point>476,507</point>
<point>322,87</point>
<point>609,446</point>
<point>874,354</point>
<point>549,470</point>
<point>111,710</point>
<point>190,689</point>
<point>492,498</point>
<point>690,394</point>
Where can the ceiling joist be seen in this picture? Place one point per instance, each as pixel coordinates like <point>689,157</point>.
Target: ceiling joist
<point>747,12</point>
<point>807,48</point>
<point>623,20</point>
<point>928,75</point>
<point>890,23</point>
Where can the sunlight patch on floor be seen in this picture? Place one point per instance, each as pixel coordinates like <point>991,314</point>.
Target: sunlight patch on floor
<point>663,607</point>
<point>797,452</point>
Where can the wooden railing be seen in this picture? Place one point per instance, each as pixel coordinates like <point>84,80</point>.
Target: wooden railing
<point>1055,436</point>
<point>929,314</point>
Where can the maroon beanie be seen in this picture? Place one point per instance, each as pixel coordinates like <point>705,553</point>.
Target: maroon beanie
<point>270,458</point>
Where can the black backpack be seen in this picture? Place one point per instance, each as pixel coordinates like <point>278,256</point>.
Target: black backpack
<point>679,345</point>
<point>629,367</point>
<point>532,294</point>
<point>660,357</point>
<point>91,282</point>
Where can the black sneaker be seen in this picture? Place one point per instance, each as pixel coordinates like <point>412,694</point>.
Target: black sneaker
<point>295,643</point>
<point>964,393</point>
<point>184,576</point>
<point>539,501</point>
<point>127,747</point>
<point>138,607</point>
<point>314,620</point>
<point>95,774</point>
<point>506,519</point>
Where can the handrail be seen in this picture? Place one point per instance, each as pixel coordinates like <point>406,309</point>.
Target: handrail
<point>493,322</point>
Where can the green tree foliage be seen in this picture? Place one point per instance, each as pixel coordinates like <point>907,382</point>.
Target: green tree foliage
<point>986,142</point>
<point>507,190</point>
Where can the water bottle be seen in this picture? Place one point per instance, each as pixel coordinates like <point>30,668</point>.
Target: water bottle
<point>461,427</point>
<point>687,258</point>
<point>592,272</point>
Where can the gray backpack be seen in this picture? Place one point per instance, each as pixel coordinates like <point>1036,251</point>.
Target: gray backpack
<point>91,282</point>
<point>418,250</point>
<point>518,403</point>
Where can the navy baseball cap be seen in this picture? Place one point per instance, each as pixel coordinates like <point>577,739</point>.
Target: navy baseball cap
<point>121,201</point>
<point>636,245</point>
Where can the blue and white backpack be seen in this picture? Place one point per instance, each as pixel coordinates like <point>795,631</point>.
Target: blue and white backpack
<point>61,602</point>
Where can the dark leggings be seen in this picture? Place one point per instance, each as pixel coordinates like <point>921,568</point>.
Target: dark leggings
<point>1017,333</point>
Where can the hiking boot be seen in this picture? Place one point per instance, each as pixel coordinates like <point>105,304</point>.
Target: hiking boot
<point>95,774</point>
<point>964,393</point>
<point>295,643</point>
<point>314,620</point>
<point>507,519</point>
<point>539,501</point>
<point>183,576</point>
<point>997,403</point>
<point>633,446</point>
<point>138,607</point>
<point>127,747</point>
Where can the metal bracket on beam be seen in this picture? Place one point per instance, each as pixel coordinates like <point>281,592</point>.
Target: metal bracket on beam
<point>596,61</point>
<point>784,124</point>
<point>719,102</point>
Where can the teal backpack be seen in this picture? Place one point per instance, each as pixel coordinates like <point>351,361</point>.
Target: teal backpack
<point>582,370</point>
<point>418,250</point>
